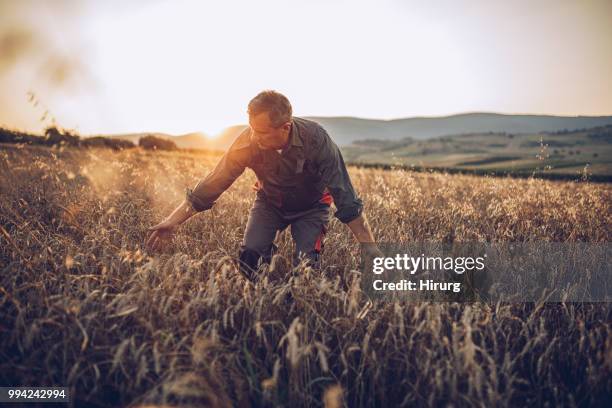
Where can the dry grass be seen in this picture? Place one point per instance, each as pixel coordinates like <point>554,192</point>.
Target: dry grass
<point>82,306</point>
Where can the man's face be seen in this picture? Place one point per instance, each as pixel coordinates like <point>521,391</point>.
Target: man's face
<point>266,136</point>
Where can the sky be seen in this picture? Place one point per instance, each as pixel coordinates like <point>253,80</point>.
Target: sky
<point>182,66</point>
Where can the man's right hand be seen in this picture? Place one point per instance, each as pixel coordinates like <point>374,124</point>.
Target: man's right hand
<point>161,235</point>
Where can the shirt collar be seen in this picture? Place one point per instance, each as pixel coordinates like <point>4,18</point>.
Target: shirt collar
<point>294,135</point>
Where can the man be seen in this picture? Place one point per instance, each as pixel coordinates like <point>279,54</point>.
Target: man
<point>300,172</point>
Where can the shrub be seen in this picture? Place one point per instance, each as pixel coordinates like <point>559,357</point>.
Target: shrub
<point>12,136</point>
<point>156,143</point>
<point>55,136</point>
<point>100,141</point>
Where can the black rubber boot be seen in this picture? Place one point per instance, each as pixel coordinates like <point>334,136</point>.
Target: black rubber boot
<point>250,261</point>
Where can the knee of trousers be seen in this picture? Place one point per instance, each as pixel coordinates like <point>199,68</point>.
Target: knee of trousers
<point>250,257</point>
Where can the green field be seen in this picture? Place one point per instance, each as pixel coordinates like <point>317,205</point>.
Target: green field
<point>565,152</point>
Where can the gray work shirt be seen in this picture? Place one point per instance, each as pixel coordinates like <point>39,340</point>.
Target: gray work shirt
<point>299,178</point>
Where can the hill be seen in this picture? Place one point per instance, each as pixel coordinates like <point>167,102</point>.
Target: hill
<point>566,152</point>
<point>346,130</point>
<point>194,140</point>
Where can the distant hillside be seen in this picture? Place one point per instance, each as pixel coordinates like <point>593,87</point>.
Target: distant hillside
<point>563,152</point>
<point>195,140</point>
<point>346,130</point>
<point>134,137</point>
<point>191,140</point>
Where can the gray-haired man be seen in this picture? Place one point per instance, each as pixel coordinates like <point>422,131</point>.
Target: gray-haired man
<point>300,172</point>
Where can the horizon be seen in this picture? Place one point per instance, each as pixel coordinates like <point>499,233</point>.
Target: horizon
<point>219,134</point>
<point>112,70</point>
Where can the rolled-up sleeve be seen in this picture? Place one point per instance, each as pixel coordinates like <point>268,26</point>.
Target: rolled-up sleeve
<point>204,195</point>
<point>335,176</point>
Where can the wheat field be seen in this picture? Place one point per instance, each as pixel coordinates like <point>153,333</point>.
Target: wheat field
<point>82,305</point>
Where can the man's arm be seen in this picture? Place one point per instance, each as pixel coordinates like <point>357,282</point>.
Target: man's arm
<point>334,174</point>
<point>361,229</point>
<point>229,168</point>
<point>205,194</point>
<point>181,213</point>
<point>349,205</point>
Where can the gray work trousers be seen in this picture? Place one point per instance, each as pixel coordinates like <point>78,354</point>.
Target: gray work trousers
<point>308,229</point>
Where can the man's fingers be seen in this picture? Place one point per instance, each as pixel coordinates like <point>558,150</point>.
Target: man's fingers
<point>154,241</point>
<point>149,240</point>
<point>156,244</point>
<point>160,244</point>
<point>152,237</point>
<point>158,238</point>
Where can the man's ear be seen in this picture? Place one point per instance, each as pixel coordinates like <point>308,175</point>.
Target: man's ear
<point>287,126</point>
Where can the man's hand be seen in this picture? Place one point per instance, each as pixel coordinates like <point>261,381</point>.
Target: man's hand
<point>161,235</point>
<point>371,250</point>
<point>363,234</point>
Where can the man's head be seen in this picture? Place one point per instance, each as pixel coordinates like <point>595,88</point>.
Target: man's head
<point>270,119</point>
